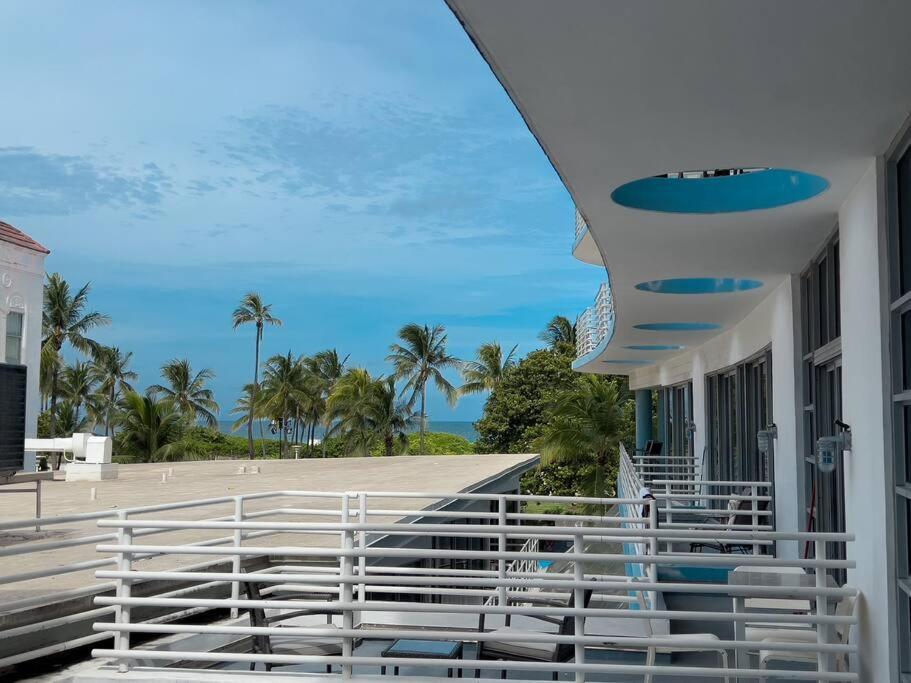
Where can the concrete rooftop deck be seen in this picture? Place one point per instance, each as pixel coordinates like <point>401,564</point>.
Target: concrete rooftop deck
<point>141,485</point>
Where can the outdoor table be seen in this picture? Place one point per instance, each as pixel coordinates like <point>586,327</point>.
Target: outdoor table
<point>782,578</point>
<point>423,649</point>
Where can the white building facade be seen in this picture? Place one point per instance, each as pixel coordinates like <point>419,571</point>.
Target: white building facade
<point>21,298</point>
<point>744,172</point>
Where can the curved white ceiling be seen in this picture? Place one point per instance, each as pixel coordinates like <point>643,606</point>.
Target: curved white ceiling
<point>620,90</point>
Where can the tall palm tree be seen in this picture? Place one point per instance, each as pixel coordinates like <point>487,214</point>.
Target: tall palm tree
<point>111,369</point>
<point>584,426</point>
<point>485,373</point>
<point>422,357</point>
<point>559,334</point>
<point>391,418</point>
<point>253,310</point>
<point>78,385</point>
<point>153,429</point>
<point>283,386</point>
<point>188,391</point>
<point>65,321</point>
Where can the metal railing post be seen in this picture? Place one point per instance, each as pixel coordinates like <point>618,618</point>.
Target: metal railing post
<point>754,508</point>
<point>235,562</point>
<point>38,505</point>
<point>362,543</point>
<point>653,549</point>
<point>345,592</point>
<point>122,612</point>
<point>578,603</point>
<point>668,514</point>
<point>502,599</point>
<point>823,631</point>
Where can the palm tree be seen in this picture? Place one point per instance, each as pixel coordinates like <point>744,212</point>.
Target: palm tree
<point>188,391</point>
<point>422,357</point>
<point>349,408</point>
<point>111,370</point>
<point>244,406</point>
<point>560,334</point>
<point>328,368</point>
<point>51,362</point>
<point>64,321</point>
<point>253,310</point>
<point>68,419</point>
<point>584,427</point>
<point>312,405</point>
<point>283,386</point>
<point>392,419</point>
<point>485,373</point>
<point>78,386</point>
<point>153,429</point>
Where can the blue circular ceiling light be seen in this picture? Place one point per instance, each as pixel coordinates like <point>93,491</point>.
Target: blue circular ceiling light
<point>677,327</point>
<point>628,362</point>
<point>720,191</point>
<point>699,285</point>
<point>654,347</point>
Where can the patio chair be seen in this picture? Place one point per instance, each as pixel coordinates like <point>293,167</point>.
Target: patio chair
<point>513,650</point>
<point>737,515</point>
<point>294,645</point>
<point>847,606</point>
<point>671,647</point>
<point>758,631</point>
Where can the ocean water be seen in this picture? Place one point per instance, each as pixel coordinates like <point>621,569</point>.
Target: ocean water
<point>459,428</point>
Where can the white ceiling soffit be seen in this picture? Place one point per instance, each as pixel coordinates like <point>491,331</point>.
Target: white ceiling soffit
<point>621,90</point>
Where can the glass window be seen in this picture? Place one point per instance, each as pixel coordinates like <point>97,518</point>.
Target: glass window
<point>903,178</point>
<point>824,502</point>
<point>739,406</point>
<point>900,264</point>
<point>14,338</point>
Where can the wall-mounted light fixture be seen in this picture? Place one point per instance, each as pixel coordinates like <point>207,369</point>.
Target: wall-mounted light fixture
<point>829,447</point>
<point>765,439</point>
<point>690,428</point>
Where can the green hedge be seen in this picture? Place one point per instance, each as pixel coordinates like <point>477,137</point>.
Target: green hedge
<point>205,444</point>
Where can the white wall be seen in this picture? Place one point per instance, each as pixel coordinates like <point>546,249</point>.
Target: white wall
<point>864,387</point>
<point>772,322</point>
<point>22,289</point>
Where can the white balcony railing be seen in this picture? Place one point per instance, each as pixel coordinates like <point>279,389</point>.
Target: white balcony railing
<point>355,579</point>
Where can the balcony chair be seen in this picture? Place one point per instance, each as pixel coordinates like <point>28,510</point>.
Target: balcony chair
<point>737,515</point>
<point>671,647</point>
<point>292,645</point>
<point>847,606</point>
<point>530,651</point>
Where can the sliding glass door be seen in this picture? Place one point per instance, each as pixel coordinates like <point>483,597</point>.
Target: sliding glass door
<point>824,492</point>
<point>738,407</point>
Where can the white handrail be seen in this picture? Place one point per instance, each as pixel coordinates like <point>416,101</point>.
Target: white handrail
<point>495,582</point>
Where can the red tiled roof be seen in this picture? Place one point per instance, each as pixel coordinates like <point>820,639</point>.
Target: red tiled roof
<point>15,236</point>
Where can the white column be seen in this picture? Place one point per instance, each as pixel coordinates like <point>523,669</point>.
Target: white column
<point>866,389</point>
<point>787,408</point>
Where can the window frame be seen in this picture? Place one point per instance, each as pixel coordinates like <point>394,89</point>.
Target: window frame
<point>822,495</point>
<point>17,343</point>
<point>899,394</point>
<point>734,416</point>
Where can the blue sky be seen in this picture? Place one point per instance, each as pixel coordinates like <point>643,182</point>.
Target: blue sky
<point>356,163</point>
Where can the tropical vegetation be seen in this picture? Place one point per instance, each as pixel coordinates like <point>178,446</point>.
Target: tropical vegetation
<point>487,371</point>
<point>320,404</point>
<point>419,358</point>
<point>252,310</point>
